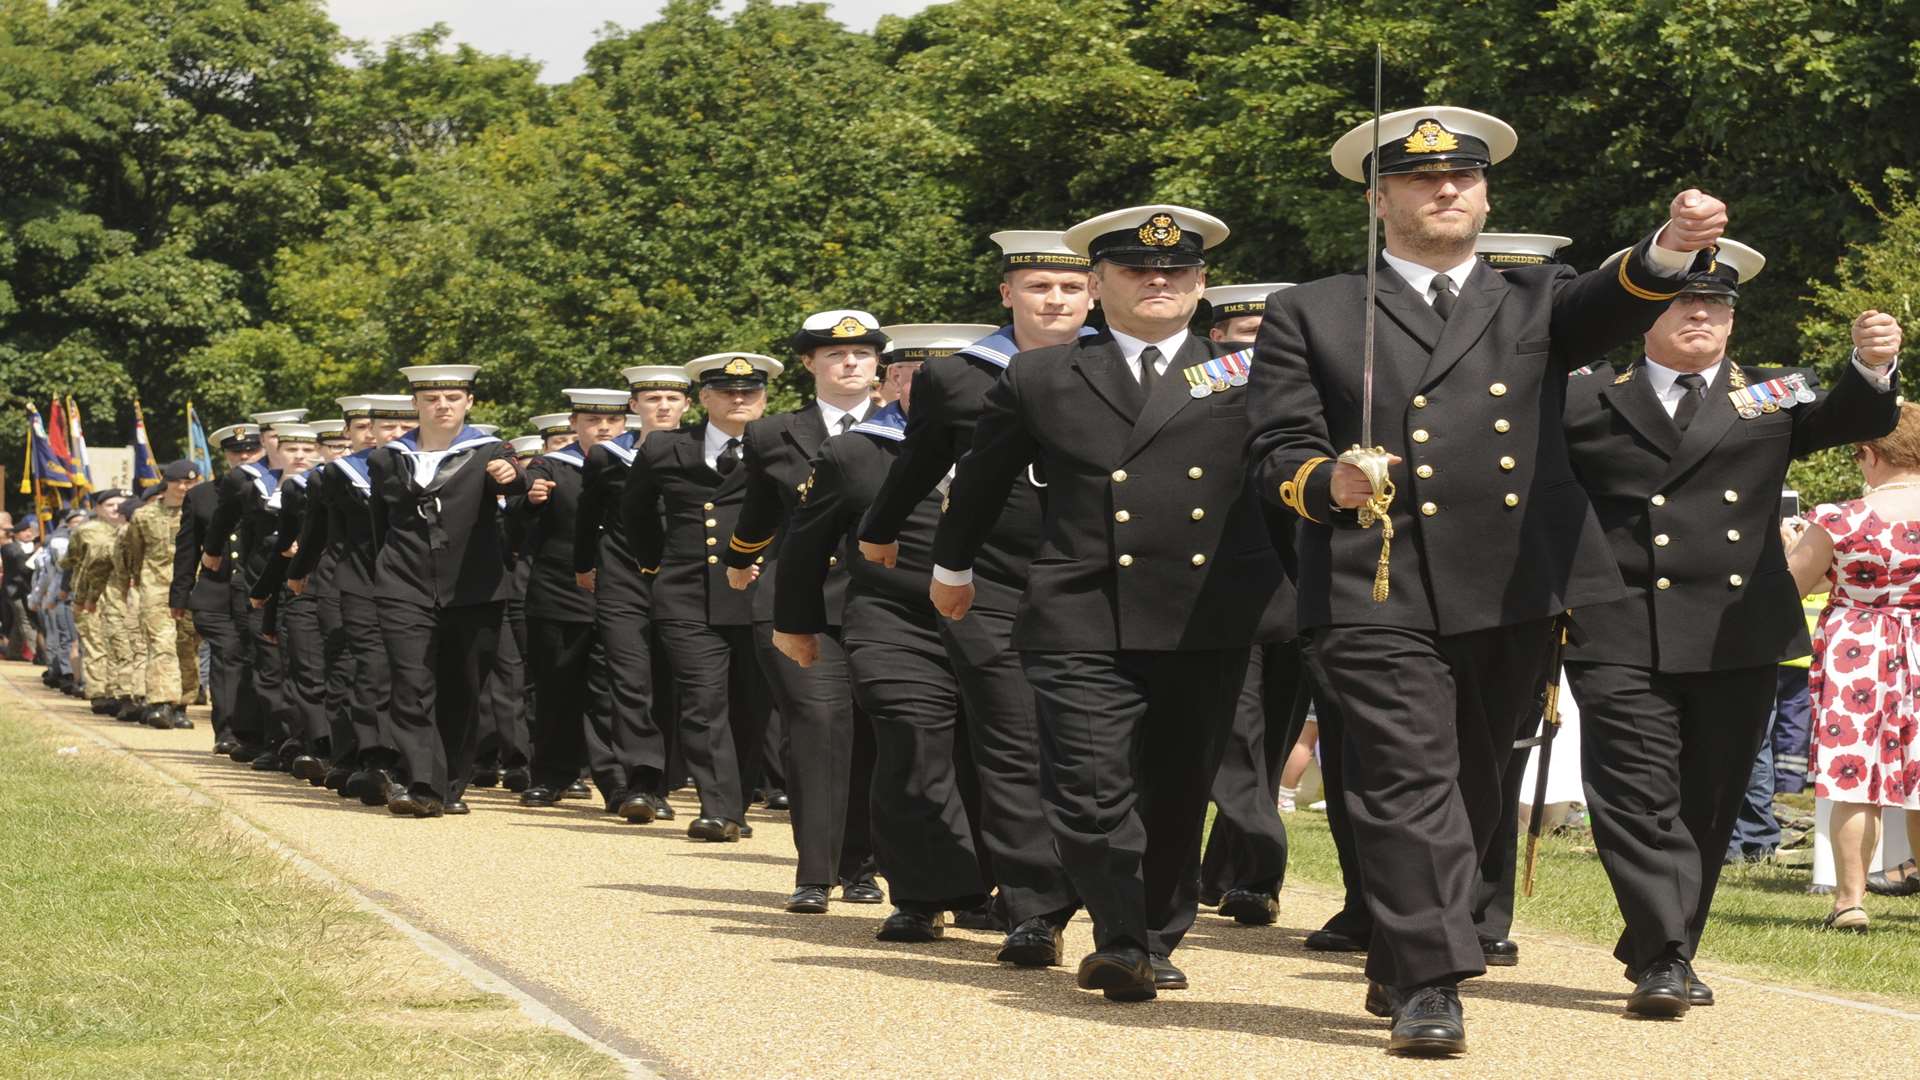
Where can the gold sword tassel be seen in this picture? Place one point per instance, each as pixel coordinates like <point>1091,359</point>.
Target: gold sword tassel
<point>1373,462</point>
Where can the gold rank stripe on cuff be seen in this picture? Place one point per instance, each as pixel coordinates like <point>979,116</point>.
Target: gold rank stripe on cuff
<point>1635,290</point>
<point>1293,493</point>
<point>734,543</point>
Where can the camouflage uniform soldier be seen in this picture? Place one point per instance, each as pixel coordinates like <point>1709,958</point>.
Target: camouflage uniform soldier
<point>120,623</point>
<point>89,557</point>
<point>169,647</point>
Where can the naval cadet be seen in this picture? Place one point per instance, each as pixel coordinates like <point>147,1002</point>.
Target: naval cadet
<point>1429,654</point>
<point>1044,287</point>
<point>1684,453</point>
<point>207,595</point>
<point>1155,576</point>
<point>827,740</point>
<point>294,617</point>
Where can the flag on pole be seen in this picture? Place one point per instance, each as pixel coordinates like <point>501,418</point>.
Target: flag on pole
<point>57,469</point>
<point>145,473</point>
<point>197,448</point>
<point>81,461</point>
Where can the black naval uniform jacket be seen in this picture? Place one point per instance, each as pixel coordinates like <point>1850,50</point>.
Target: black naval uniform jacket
<point>439,545</point>
<point>194,587</point>
<point>777,454</point>
<point>949,393</point>
<point>670,473</point>
<point>600,542</point>
<point>1693,520</point>
<point>338,526</point>
<point>848,473</point>
<point>1152,537</point>
<point>1491,527</point>
<point>552,593</point>
<point>244,517</point>
<point>290,504</point>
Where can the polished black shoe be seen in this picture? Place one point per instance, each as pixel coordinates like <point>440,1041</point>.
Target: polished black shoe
<point>864,891</point>
<point>1165,975</point>
<point>540,795</point>
<point>1380,999</point>
<point>1698,992</point>
<point>576,790</point>
<point>662,811</point>
<point>1034,943</point>
<point>155,716</point>
<point>485,778</point>
<point>457,806</point>
<point>378,789</point>
<point>1660,991</point>
<point>266,761</point>
<point>808,900</point>
<point>224,747</point>
<point>1250,907</point>
<point>713,830</point>
<point>757,797</point>
<point>130,711</point>
<point>778,800</point>
<point>1123,974</point>
<point>516,780</point>
<point>1427,1023</point>
<point>636,808</point>
<point>1334,941</point>
<point>415,804</point>
<point>1500,952</point>
<point>178,719</point>
<point>244,752</point>
<point>985,917</point>
<point>104,706</point>
<point>912,926</point>
<point>307,767</point>
<point>746,830</point>
<point>336,779</point>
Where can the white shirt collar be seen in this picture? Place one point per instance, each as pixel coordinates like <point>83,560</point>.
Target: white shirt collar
<point>1662,378</point>
<point>1131,347</point>
<point>832,413</point>
<point>1421,277</point>
<point>716,444</point>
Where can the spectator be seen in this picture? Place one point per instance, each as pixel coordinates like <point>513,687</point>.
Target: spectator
<point>22,629</point>
<point>1865,754</point>
<point>1781,766</point>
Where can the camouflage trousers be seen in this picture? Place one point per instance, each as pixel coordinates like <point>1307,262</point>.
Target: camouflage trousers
<point>169,649</point>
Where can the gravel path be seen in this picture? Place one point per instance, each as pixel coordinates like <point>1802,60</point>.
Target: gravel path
<point>678,954</point>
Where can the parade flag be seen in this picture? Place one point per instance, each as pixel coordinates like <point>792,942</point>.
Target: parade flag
<point>52,465</point>
<point>52,475</point>
<point>145,473</point>
<point>82,462</point>
<point>197,448</point>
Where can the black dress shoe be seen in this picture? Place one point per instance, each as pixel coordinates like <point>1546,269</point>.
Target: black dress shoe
<point>1034,943</point>
<point>516,780</point>
<point>713,830</point>
<point>307,767</point>
<point>154,716</point>
<point>637,809</point>
<point>1123,974</point>
<point>808,900</point>
<point>1380,999</point>
<point>778,800</point>
<point>864,891</point>
<point>178,719</point>
<point>985,917</point>
<point>576,790</point>
<point>1698,992</point>
<point>1500,952</point>
<point>224,747</point>
<point>1334,941</point>
<point>1250,907</point>
<point>1427,1023</point>
<point>1165,975</point>
<point>540,795</point>
<point>244,752</point>
<point>746,830</point>
<point>102,706</point>
<point>758,796</point>
<point>130,710</point>
<point>484,778</point>
<point>912,926</point>
<point>379,787</point>
<point>1660,991</point>
<point>336,778</point>
<point>266,761</point>
<point>661,810</point>
<point>418,804</point>
<point>458,806</point>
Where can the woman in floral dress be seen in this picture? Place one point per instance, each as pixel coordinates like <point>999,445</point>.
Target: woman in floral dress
<point>1865,678</point>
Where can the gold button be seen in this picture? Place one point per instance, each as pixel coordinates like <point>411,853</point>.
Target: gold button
<point>1122,516</point>
<point>712,541</point>
<point>833,560</point>
<point>1119,476</point>
<point>711,559</point>
<point>1429,509</point>
<point>1506,464</point>
<point>761,561</point>
<point>1196,473</point>
<point>1736,580</point>
<point>1501,425</point>
<point>707,506</point>
<point>1733,536</point>
<point>801,486</point>
<point>1420,435</point>
<point>711,522</point>
<point>1512,499</point>
<point>1498,389</point>
<point>1731,496</point>
<point>1199,560</point>
<point>1424,472</point>
<point>1419,401</point>
<point>1662,540</point>
<point>1659,500</point>
<point>1126,560</point>
<point>1663,583</point>
<point>1198,513</point>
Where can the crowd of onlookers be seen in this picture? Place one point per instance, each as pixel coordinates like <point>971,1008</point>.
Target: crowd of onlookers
<point>36,621</point>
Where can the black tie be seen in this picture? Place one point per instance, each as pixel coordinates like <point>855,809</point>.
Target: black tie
<point>729,458</point>
<point>1149,369</point>
<point>846,423</point>
<point>1442,296</point>
<point>1696,387</point>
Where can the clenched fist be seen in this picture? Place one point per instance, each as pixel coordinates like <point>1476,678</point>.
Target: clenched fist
<point>539,491</point>
<point>1350,487</point>
<point>802,649</point>
<point>1876,335</point>
<point>502,470</point>
<point>1697,222</point>
<point>884,554</point>
<point>739,578</point>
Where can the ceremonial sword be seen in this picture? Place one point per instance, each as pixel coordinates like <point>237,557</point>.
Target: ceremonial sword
<point>1549,727</point>
<point>1368,457</point>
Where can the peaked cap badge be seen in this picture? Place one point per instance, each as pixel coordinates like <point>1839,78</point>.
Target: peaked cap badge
<point>848,327</point>
<point>739,365</point>
<point>1160,231</point>
<point>1430,138</point>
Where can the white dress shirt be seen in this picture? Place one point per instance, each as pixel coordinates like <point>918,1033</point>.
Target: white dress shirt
<point>1666,387</point>
<point>1421,277</point>
<point>832,413</point>
<point>716,445</point>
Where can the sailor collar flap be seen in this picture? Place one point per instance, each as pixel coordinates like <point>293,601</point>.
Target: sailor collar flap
<point>888,423</point>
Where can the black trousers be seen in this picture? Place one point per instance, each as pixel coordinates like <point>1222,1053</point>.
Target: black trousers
<point>922,837</point>
<point>343,741</point>
<point>370,697</point>
<point>505,741</point>
<point>1003,747</point>
<point>1665,759</point>
<point>439,658</point>
<point>561,659</point>
<point>1354,918</point>
<point>723,709</point>
<point>1428,723</point>
<point>666,711</point>
<point>626,751</point>
<point>1493,888</point>
<point>826,778</point>
<point>226,655</point>
<point>1129,743</point>
<point>303,691</point>
<point>267,671</point>
<point>1248,846</point>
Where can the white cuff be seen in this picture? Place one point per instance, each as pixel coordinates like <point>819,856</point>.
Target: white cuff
<point>952,577</point>
<point>1667,263</point>
<point>1880,379</point>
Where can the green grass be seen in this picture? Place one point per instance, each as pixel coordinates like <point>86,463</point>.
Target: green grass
<point>141,938</point>
<point>1763,918</point>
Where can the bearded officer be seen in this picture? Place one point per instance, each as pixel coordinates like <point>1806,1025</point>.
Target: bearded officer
<point>1432,656</point>
<point>1684,453</point>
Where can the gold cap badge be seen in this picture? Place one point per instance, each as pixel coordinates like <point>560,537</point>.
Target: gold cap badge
<point>1430,138</point>
<point>848,327</point>
<point>1160,231</point>
<point>739,365</point>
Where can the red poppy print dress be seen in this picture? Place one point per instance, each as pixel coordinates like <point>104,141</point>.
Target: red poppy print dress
<point>1865,673</point>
